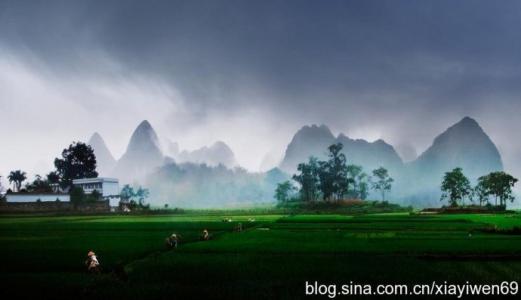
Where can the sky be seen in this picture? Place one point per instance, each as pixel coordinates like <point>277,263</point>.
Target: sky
<point>251,73</point>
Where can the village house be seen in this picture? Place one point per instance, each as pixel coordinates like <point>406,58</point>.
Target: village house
<point>107,187</point>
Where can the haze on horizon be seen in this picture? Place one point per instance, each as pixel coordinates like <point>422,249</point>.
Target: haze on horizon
<point>251,73</point>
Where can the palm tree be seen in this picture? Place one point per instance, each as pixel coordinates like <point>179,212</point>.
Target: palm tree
<point>17,178</point>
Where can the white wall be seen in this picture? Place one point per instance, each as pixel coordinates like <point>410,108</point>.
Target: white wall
<point>35,197</point>
<point>110,189</point>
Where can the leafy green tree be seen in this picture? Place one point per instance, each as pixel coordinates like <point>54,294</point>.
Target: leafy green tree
<point>455,186</point>
<point>77,161</point>
<point>135,197</point>
<point>17,178</point>
<point>283,191</point>
<point>308,178</point>
<point>481,193</point>
<point>382,182</point>
<point>498,185</point>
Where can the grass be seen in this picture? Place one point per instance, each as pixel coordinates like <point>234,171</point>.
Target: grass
<point>274,256</point>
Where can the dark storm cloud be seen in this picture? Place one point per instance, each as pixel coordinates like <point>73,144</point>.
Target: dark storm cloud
<point>383,64</point>
<point>298,49</point>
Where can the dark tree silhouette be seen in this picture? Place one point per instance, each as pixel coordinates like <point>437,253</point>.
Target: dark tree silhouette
<point>17,178</point>
<point>77,161</point>
<point>497,184</point>
<point>333,174</point>
<point>308,178</point>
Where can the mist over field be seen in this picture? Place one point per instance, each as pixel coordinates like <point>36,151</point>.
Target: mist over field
<point>204,74</point>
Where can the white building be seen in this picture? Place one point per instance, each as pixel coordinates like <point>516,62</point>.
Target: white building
<point>107,187</point>
<point>29,197</point>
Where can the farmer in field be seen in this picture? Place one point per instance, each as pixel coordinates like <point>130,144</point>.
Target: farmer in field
<point>92,263</point>
<point>205,236</point>
<point>173,240</point>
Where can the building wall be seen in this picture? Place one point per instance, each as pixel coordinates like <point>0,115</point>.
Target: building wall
<point>32,207</point>
<point>111,192</point>
<point>7,207</point>
<point>110,189</point>
<point>21,198</point>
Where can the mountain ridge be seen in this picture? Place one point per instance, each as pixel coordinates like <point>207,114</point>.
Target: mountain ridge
<point>104,159</point>
<point>143,154</point>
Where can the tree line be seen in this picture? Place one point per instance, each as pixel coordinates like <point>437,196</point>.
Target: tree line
<point>76,161</point>
<point>332,180</point>
<point>456,188</point>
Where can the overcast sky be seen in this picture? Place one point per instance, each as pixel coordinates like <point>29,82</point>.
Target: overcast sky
<point>250,73</point>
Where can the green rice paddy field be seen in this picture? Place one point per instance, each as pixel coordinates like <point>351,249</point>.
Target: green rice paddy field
<point>273,257</point>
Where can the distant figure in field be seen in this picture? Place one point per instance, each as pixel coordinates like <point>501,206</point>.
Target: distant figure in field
<point>205,236</point>
<point>172,240</point>
<point>239,227</point>
<point>92,263</point>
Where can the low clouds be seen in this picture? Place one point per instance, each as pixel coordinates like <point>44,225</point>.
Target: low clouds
<point>251,73</point>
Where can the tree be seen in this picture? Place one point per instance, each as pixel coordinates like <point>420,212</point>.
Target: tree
<point>455,187</point>
<point>333,174</point>
<point>77,161</point>
<point>17,178</point>
<point>383,182</point>
<point>127,193</point>
<point>283,191</point>
<point>39,185</point>
<point>497,184</point>
<point>308,180</point>
<point>53,178</point>
<point>480,192</point>
<point>358,180</point>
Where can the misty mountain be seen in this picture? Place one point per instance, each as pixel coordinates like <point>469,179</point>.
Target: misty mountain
<point>314,140</point>
<point>463,145</point>
<point>417,183</point>
<point>143,155</point>
<point>218,153</point>
<point>308,141</point>
<point>407,152</point>
<point>104,159</point>
<point>371,155</point>
<point>202,186</point>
